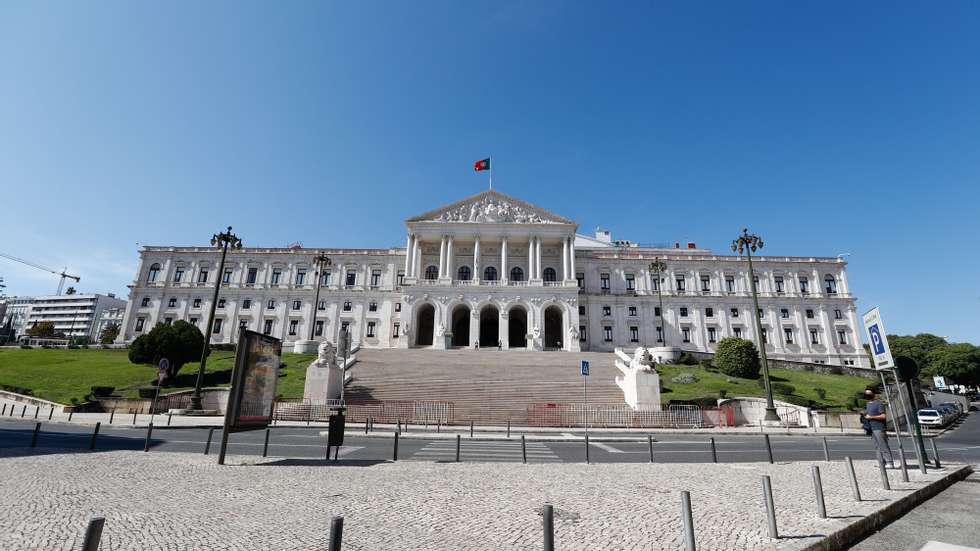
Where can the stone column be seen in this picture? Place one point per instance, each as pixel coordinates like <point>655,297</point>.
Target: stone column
<point>417,258</point>
<point>450,272</point>
<point>442,257</point>
<point>537,258</point>
<point>504,274</point>
<point>571,256</point>
<point>476,259</point>
<point>409,249</point>
<point>530,258</point>
<point>564,259</point>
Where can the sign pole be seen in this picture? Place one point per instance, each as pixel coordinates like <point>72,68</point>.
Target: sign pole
<point>585,382</point>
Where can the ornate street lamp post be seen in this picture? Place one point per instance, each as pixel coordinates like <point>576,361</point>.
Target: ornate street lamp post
<point>223,240</point>
<point>658,267</point>
<point>321,261</point>
<point>748,244</point>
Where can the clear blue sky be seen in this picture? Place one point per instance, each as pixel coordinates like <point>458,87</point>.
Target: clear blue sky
<point>826,127</point>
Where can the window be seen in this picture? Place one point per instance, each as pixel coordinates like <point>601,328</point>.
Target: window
<point>370,329</point>
<point>705,284</point>
<point>683,311</point>
<point>293,324</point>
<point>607,333</point>
<point>172,303</point>
<point>168,321</point>
<point>325,278</point>
<point>253,274</point>
<point>139,324</point>
<point>193,321</point>
<point>297,304</point>
<point>581,310</point>
<point>730,284</point>
<point>784,313</point>
<point>432,272</point>
<point>814,336</point>
<point>838,315</point>
<point>373,306</point>
<point>318,329</point>
<point>734,312</point>
<point>631,310</point>
<point>226,278</point>
<point>178,274</point>
<point>197,303</point>
<point>345,327</point>
<point>660,334</point>
<point>581,333</point>
<point>322,305</point>
<point>712,334</point>
<point>681,284</point>
<point>604,282</point>
<point>804,285</point>
<point>630,282</point>
<point>145,302</point>
<point>789,335</point>
<point>221,303</point>
<point>738,332</point>
<point>267,329</point>
<point>352,278</point>
<point>242,324</point>
<point>634,334</point>
<point>375,278</point>
<point>762,313</point>
<point>202,276</point>
<point>347,306</point>
<point>465,274</point>
<point>580,279</point>
<point>398,307</point>
<point>400,279</point>
<point>809,313</point>
<point>152,274</point>
<point>709,312</point>
<point>842,336</point>
<point>755,279</point>
<point>271,305</point>
<point>686,334</point>
<point>654,282</point>
<point>606,311</point>
<point>217,326</point>
<point>276,276</point>
<point>830,284</point>
<point>246,304</point>
<point>300,278</point>
<point>780,284</point>
<point>656,311</point>
<point>490,273</point>
<point>765,335</point>
<point>395,330</point>
<point>550,274</point>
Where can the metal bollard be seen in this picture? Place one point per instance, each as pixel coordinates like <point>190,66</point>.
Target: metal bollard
<point>37,409</point>
<point>768,447</point>
<point>399,425</point>
<point>884,474</point>
<point>458,440</point>
<point>523,450</point>
<point>50,414</point>
<point>586,449</point>
<point>818,492</point>
<point>4,412</point>
<point>326,453</point>
<point>548,513</point>
<point>841,421</point>
<point>207,447</point>
<point>70,413</point>
<point>366,425</point>
<point>23,411</point>
<point>149,434</point>
<point>336,533</point>
<point>134,416</point>
<point>650,442</point>
<point>439,425</point>
<point>853,477</point>
<point>935,452</point>
<point>394,452</point>
<point>714,451</point>
<point>905,467</point>
<point>471,429</point>
<point>93,534</point>
<point>265,447</point>
<point>95,435</point>
<point>112,415</point>
<point>689,544</point>
<point>770,507</point>
<point>826,449</point>
<point>508,428</point>
<point>170,416</point>
<point>37,429</point>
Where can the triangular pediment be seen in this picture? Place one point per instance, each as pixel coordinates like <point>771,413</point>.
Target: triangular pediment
<point>491,207</point>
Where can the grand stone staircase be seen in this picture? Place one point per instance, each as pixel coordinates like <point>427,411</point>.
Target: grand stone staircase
<point>485,386</point>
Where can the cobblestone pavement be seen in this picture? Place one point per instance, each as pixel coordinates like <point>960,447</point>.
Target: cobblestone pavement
<point>178,501</point>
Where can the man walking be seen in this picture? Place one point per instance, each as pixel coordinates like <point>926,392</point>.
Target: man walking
<point>874,412</point>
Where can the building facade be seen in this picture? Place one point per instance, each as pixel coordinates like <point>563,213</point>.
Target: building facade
<point>74,315</point>
<point>16,313</point>
<point>491,271</point>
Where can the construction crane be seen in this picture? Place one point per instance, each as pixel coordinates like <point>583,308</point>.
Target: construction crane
<point>62,273</point>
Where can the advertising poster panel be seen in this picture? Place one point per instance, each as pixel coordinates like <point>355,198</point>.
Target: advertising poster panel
<point>253,382</point>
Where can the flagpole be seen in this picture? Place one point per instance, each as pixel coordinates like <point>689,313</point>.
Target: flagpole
<point>491,171</point>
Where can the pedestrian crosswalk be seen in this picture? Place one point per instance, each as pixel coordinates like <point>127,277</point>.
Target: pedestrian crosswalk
<point>486,450</point>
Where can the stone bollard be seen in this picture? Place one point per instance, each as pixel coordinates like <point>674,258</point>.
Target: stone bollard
<point>855,491</point>
<point>689,543</point>
<point>770,507</point>
<point>818,492</point>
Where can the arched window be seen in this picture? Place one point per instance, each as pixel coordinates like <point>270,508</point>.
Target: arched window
<point>830,284</point>
<point>432,272</point>
<point>550,274</point>
<point>490,274</point>
<point>516,274</point>
<point>151,276</point>
<point>464,273</point>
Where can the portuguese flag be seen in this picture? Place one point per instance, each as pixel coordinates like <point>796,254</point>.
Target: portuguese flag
<point>483,164</point>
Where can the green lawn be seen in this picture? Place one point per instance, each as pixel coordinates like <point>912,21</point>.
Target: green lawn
<point>60,375</point>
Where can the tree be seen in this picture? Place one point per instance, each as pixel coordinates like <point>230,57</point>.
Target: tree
<point>918,347</point>
<point>109,334</point>
<point>737,358</point>
<point>958,362</point>
<point>41,329</point>
<point>179,343</point>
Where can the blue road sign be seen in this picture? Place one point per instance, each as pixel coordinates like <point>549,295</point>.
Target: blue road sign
<point>876,341</point>
<point>585,368</point>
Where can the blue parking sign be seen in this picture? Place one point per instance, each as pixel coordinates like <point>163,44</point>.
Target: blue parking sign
<point>585,368</point>
<point>877,343</point>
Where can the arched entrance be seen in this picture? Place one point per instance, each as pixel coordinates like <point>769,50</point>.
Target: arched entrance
<point>552,328</point>
<point>424,322</point>
<point>517,327</point>
<point>489,326</point>
<point>461,325</point>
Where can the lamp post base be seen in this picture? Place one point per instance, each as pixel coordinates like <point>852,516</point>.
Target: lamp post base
<point>771,416</point>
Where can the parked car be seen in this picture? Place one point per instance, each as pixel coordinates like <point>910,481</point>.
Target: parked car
<point>957,405</point>
<point>931,418</point>
<point>948,412</point>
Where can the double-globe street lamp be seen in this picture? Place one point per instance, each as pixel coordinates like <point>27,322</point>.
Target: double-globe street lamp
<point>657,269</point>
<point>321,261</point>
<point>223,240</point>
<point>748,244</point>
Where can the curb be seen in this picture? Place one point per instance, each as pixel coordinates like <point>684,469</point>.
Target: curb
<point>852,534</point>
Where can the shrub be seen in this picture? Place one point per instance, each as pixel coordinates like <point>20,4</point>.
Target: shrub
<point>722,393</point>
<point>26,346</point>
<point>822,393</point>
<point>102,390</point>
<point>684,378</point>
<point>147,392</point>
<point>687,359</point>
<point>783,389</point>
<point>179,342</point>
<point>17,389</point>
<point>73,346</point>
<point>835,370</point>
<point>738,358</point>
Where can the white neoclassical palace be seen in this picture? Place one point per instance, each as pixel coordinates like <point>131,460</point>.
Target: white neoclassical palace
<point>491,271</point>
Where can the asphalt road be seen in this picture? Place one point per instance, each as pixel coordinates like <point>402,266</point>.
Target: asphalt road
<point>961,444</point>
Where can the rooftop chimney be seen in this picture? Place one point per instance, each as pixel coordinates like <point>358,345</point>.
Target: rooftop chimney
<point>603,235</point>
<point>691,245</point>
